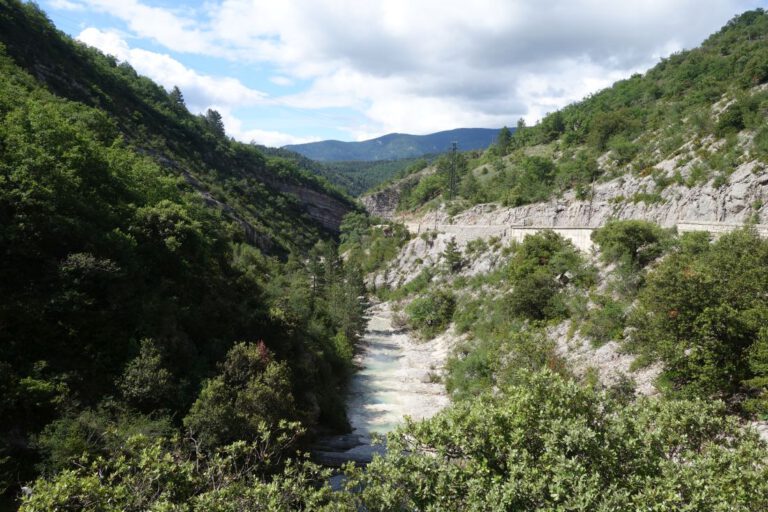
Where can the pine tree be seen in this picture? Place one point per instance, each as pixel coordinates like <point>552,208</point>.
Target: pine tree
<point>503,141</point>
<point>213,118</point>
<point>452,257</point>
<point>177,99</point>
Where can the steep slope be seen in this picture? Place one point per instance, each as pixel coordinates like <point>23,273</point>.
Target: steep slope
<point>280,205</point>
<point>157,278</point>
<point>661,182</point>
<point>692,121</point>
<point>395,146</point>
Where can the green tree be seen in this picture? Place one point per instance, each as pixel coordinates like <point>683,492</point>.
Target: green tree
<point>553,126</point>
<point>215,122</point>
<point>252,390</point>
<point>177,99</point>
<point>701,313</point>
<point>504,141</point>
<point>452,256</point>
<point>432,313</point>
<point>146,382</point>
<point>636,241</point>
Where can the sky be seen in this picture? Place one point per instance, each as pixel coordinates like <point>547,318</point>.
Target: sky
<point>292,71</point>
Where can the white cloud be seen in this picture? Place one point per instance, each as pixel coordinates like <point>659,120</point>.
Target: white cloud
<point>200,91</point>
<point>271,138</point>
<point>66,5</point>
<point>425,65</point>
<point>283,81</point>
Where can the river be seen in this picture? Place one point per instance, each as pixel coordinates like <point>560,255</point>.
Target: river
<point>397,376</point>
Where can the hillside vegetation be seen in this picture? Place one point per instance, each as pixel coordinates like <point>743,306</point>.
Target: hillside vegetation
<point>354,177</point>
<point>396,146</point>
<point>157,278</point>
<point>176,319</point>
<point>708,106</point>
<point>269,194</point>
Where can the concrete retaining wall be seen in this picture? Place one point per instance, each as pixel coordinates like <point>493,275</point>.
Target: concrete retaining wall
<point>581,237</point>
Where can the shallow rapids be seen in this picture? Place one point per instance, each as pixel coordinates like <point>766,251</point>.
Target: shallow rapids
<point>396,377</point>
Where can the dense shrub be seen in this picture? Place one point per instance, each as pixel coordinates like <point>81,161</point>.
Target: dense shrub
<point>605,321</point>
<point>549,444</point>
<point>163,474</point>
<point>536,271</point>
<point>702,312</point>
<point>639,242</point>
<point>431,314</point>
<point>371,243</point>
<point>252,392</point>
<point>535,296</point>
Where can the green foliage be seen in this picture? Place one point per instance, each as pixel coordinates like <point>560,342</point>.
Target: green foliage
<point>252,390</point>
<point>536,295</point>
<point>120,280</point>
<point>615,125</point>
<point>258,196</point>
<point>533,271</point>
<point>215,123</point>
<point>146,383</point>
<point>549,444</point>
<point>371,243</point>
<point>623,150</point>
<point>452,257</point>
<point>702,312</point>
<point>757,359</point>
<point>504,141</point>
<point>730,121</point>
<point>161,474</point>
<point>540,282</point>
<point>431,314</point>
<point>760,143</point>
<point>94,432</point>
<point>636,241</point>
<point>605,321</point>
<point>552,126</point>
<point>354,177</point>
<point>499,358</point>
<point>416,285</point>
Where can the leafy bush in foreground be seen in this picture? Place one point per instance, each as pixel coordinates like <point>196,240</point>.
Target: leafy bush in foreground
<point>549,444</point>
<point>144,474</point>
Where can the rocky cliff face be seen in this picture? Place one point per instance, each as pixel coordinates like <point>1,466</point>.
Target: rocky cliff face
<point>382,203</point>
<point>322,208</point>
<point>743,198</point>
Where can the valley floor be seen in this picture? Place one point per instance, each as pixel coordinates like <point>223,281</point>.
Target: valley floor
<point>397,377</point>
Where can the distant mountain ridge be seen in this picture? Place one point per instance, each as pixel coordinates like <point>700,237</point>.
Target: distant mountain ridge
<point>395,146</point>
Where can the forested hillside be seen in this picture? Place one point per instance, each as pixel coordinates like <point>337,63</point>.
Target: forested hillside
<point>156,276</point>
<point>179,312</point>
<point>396,146</point>
<point>268,195</point>
<point>356,176</point>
